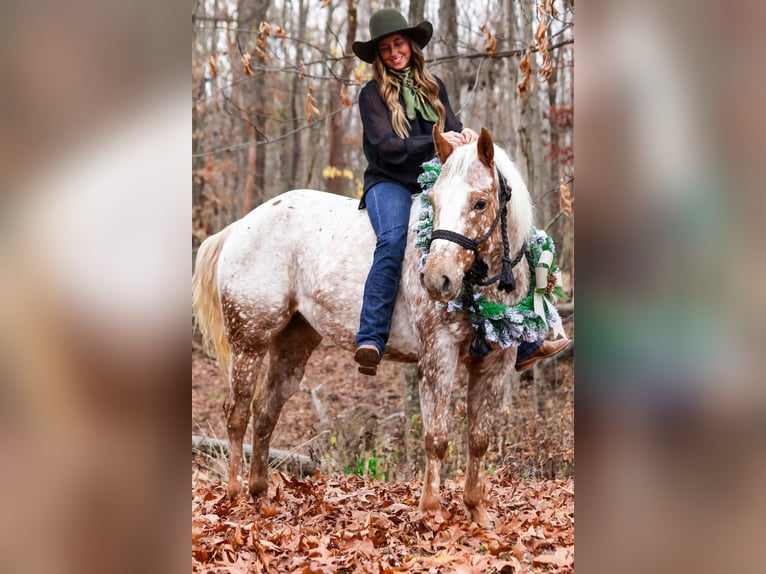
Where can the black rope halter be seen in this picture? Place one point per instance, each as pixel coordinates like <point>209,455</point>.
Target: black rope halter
<point>477,274</point>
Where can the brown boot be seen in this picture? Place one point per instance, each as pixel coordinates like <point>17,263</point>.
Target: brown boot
<point>546,350</point>
<point>368,358</point>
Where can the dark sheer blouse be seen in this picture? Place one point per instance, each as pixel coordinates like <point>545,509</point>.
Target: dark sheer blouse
<point>389,157</point>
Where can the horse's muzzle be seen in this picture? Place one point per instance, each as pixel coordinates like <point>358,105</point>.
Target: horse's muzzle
<point>440,286</point>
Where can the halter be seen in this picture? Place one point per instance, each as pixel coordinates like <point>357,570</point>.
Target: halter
<point>477,274</point>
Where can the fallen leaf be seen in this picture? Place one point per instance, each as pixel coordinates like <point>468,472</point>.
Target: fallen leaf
<point>560,558</point>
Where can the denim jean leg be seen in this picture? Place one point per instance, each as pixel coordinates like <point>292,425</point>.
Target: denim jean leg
<point>526,349</point>
<point>388,206</point>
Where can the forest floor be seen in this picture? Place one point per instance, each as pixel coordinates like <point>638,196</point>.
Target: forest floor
<point>360,513</point>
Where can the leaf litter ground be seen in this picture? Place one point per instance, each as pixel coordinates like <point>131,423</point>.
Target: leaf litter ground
<point>349,524</point>
<point>352,524</point>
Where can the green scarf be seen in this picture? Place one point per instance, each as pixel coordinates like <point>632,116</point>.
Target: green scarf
<point>415,99</point>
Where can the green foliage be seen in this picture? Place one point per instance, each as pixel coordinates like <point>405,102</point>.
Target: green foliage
<point>368,467</point>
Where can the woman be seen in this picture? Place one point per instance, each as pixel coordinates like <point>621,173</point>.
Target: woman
<point>399,108</point>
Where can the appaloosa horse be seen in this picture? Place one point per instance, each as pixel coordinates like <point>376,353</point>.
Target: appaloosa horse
<point>292,271</point>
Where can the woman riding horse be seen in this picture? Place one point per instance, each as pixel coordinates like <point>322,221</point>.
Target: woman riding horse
<point>399,108</point>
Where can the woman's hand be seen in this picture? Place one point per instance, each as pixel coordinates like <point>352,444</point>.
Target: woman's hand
<point>468,136</point>
<point>453,138</point>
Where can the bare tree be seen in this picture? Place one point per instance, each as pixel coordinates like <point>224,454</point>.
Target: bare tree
<point>249,99</point>
<point>448,31</point>
<point>338,99</point>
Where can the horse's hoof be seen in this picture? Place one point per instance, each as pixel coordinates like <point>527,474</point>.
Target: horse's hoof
<point>258,494</point>
<point>233,489</point>
<point>434,520</point>
<point>481,517</point>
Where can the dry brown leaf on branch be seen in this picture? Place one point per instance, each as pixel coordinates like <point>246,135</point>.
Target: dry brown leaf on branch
<point>311,109</point>
<point>541,39</point>
<point>542,28</point>
<point>261,54</point>
<point>491,46</point>
<point>246,59</point>
<point>212,64</point>
<point>280,33</point>
<point>527,82</point>
<point>344,97</point>
<point>565,199</point>
<point>324,3</point>
<point>264,29</point>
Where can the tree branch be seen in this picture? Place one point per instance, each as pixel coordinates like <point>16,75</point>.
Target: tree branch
<point>296,464</point>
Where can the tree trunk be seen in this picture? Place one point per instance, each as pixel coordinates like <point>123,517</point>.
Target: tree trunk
<point>292,151</point>
<point>450,74</point>
<point>339,184</point>
<point>248,96</point>
<point>417,12</point>
<point>514,111</point>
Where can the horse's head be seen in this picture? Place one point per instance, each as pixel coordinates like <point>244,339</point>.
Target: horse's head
<point>466,208</point>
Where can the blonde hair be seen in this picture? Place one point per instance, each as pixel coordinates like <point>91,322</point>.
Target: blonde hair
<point>390,87</point>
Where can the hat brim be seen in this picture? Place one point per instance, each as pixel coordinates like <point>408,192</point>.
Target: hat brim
<point>367,51</point>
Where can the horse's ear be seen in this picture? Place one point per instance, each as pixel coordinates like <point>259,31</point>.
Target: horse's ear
<point>486,148</point>
<point>443,147</point>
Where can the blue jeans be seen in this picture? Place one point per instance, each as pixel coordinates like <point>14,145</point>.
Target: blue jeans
<point>526,349</point>
<point>388,206</point>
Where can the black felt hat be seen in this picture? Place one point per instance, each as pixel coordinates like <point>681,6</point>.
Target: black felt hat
<point>386,22</point>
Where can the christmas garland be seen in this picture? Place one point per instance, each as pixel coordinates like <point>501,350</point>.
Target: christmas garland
<point>506,325</point>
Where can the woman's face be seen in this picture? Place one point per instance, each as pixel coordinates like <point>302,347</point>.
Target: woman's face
<point>395,52</point>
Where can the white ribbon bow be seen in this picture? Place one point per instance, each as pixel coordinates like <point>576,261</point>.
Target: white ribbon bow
<point>542,301</point>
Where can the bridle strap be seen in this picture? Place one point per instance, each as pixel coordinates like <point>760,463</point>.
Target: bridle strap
<point>473,244</point>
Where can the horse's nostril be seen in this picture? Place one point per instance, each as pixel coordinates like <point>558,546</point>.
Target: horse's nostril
<point>446,284</point>
<point>422,279</point>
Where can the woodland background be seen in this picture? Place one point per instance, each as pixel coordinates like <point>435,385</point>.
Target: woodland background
<point>274,87</point>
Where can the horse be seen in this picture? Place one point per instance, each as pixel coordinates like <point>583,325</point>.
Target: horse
<point>292,272</point>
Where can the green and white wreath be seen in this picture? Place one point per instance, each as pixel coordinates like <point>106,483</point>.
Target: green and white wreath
<point>506,325</point>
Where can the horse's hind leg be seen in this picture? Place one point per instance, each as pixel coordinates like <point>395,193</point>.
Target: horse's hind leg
<point>288,355</point>
<point>244,372</point>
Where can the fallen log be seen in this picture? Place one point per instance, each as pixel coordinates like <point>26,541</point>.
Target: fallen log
<point>295,464</point>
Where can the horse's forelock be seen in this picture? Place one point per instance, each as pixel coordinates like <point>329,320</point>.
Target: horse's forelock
<point>460,160</point>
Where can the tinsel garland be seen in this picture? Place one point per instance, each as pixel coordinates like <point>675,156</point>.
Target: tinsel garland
<point>506,325</point>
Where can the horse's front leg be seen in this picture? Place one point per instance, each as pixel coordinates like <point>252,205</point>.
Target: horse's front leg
<point>485,380</point>
<point>436,371</point>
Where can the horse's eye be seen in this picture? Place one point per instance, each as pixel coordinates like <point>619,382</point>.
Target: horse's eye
<point>480,204</point>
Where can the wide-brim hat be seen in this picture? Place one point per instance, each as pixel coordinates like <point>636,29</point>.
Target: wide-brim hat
<point>386,22</point>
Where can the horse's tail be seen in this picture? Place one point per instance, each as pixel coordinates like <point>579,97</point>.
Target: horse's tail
<point>206,303</point>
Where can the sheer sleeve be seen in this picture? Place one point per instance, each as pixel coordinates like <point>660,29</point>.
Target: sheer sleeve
<point>376,119</point>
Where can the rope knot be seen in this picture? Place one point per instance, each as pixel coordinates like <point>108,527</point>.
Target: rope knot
<point>507,282</point>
